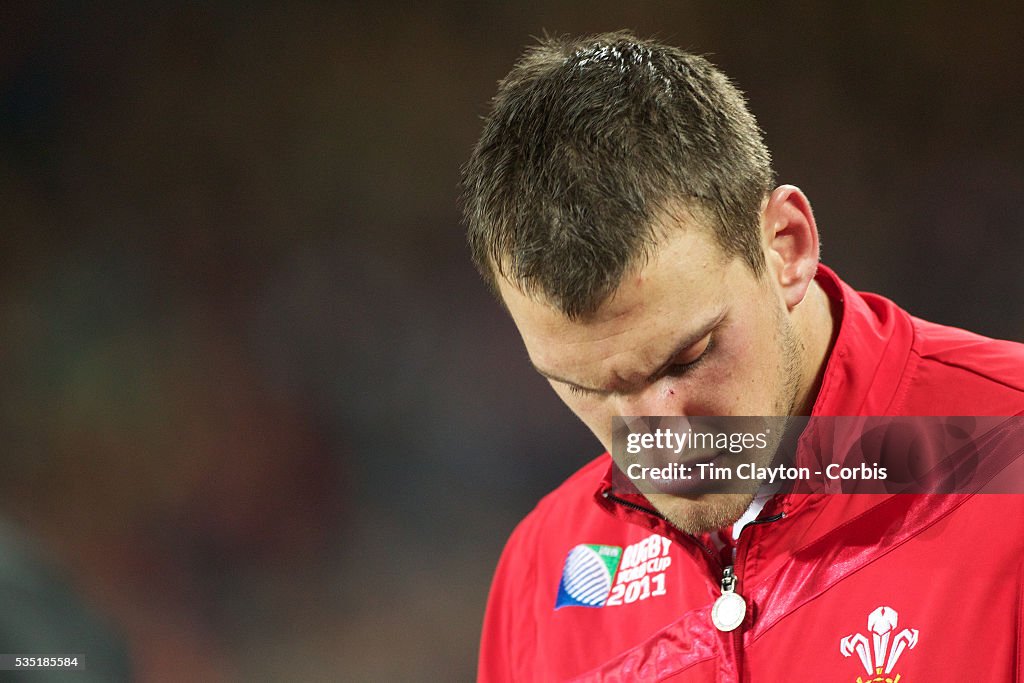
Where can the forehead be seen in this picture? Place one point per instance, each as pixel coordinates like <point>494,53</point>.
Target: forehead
<point>683,279</point>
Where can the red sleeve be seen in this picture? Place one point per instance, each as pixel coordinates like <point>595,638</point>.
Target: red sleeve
<point>509,640</point>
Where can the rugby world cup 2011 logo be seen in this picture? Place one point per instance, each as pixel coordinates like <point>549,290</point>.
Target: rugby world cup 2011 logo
<point>609,576</point>
<point>587,575</point>
<point>880,654</point>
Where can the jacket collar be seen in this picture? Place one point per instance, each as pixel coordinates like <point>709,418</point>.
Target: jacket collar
<point>866,364</point>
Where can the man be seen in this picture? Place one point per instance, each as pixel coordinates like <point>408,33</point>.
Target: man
<point>622,204</point>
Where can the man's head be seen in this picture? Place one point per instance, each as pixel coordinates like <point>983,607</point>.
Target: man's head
<point>587,140</point>
<point>620,203</point>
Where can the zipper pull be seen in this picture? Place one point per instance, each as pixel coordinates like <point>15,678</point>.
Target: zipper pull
<point>730,607</point>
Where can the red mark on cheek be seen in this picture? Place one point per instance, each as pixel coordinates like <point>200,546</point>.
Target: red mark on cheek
<point>672,392</point>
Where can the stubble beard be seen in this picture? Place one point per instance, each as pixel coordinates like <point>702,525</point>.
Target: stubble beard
<point>719,510</point>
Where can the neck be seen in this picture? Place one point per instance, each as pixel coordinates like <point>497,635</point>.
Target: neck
<point>817,328</point>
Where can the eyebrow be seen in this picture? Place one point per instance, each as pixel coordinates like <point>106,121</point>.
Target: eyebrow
<point>688,341</point>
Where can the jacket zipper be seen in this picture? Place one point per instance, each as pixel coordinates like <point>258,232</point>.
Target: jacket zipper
<point>729,579</point>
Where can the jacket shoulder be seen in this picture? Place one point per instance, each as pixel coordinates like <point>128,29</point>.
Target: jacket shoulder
<point>956,372</point>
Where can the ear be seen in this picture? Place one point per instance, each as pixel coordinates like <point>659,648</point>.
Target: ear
<point>791,242</point>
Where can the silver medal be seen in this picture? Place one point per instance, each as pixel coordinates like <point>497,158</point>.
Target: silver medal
<point>728,611</point>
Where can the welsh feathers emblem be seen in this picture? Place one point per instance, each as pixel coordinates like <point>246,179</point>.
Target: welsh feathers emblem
<point>880,654</point>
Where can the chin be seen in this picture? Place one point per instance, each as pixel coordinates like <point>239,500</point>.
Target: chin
<point>707,513</point>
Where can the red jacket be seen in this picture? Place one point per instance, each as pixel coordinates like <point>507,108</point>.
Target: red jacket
<point>935,583</point>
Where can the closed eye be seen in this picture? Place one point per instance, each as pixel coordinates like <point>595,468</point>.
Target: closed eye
<point>687,361</point>
<point>579,391</point>
<point>691,358</point>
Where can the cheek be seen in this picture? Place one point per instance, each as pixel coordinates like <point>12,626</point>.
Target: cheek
<point>704,396</point>
<point>746,377</point>
<point>734,382</point>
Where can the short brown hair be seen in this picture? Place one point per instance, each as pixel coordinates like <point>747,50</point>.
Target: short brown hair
<point>587,139</point>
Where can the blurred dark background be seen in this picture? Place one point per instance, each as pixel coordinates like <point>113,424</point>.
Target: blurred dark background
<point>256,411</point>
